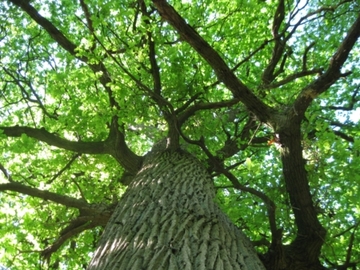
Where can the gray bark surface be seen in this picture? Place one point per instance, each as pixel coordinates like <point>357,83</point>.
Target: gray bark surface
<point>167,219</point>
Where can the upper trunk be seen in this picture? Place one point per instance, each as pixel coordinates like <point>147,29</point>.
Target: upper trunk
<point>304,251</point>
<point>167,219</point>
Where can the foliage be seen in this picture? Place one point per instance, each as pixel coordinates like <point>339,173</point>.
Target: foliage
<point>124,62</point>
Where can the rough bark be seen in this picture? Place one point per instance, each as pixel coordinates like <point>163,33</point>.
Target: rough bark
<point>167,219</point>
<point>304,251</point>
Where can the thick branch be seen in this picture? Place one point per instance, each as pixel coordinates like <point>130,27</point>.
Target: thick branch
<point>54,140</point>
<point>332,74</point>
<point>47,25</point>
<point>118,148</point>
<point>222,71</point>
<point>45,195</point>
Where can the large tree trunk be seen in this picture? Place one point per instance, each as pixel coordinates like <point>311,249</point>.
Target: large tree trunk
<point>167,219</point>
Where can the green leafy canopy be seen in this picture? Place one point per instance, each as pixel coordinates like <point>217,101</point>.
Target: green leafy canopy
<point>79,77</point>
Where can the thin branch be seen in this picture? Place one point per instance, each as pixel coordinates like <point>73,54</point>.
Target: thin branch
<point>293,77</point>
<point>320,10</point>
<point>346,230</point>
<point>69,46</point>
<point>46,253</point>
<point>351,104</point>
<point>304,60</point>
<point>67,166</point>
<point>218,166</point>
<point>344,136</point>
<point>350,247</point>
<point>190,111</point>
<point>26,95</point>
<point>246,59</point>
<point>6,173</point>
<point>188,102</point>
<point>80,190</point>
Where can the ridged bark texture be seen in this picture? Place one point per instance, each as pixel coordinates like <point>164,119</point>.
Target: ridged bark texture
<point>167,219</point>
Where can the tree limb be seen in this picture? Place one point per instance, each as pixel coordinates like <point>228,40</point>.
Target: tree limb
<point>117,147</point>
<point>67,166</point>
<point>222,71</point>
<point>332,74</point>
<point>51,139</point>
<point>155,69</point>
<point>190,111</point>
<point>46,253</point>
<point>6,173</point>
<point>69,46</point>
<point>350,105</point>
<point>114,145</point>
<point>293,77</point>
<point>47,25</point>
<point>45,195</point>
<point>268,75</point>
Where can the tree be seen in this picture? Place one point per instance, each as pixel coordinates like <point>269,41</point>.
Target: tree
<point>144,116</point>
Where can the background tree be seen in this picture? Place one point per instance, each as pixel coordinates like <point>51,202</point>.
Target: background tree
<point>262,93</point>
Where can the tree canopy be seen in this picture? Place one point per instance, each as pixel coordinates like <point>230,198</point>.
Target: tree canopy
<point>88,87</point>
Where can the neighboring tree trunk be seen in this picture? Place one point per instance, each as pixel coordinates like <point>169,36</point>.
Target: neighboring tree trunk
<point>167,219</point>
